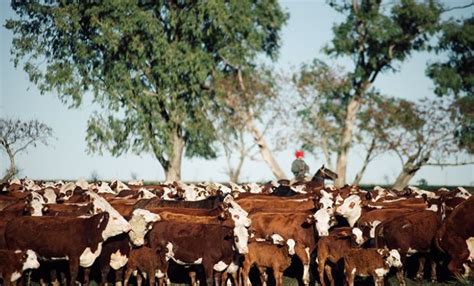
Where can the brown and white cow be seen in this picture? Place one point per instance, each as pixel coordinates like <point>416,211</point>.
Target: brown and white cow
<point>264,255</point>
<point>209,245</point>
<point>332,248</point>
<point>78,240</point>
<point>14,262</point>
<point>370,262</point>
<point>456,238</point>
<point>146,262</point>
<point>293,227</point>
<point>410,233</point>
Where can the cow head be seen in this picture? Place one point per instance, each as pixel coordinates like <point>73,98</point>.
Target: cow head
<point>241,239</point>
<point>323,220</point>
<point>462,193</point>
<point>238,214</point>
<point>350,209</point>
<point>392,257</point>
<point>141,222</point>
<point>29,259</point>
<point>326,201</point>
<point>117,224</point>
<point>34,204</point>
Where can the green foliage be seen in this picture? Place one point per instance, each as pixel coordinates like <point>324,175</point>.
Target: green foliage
<point>324,93</point>
<point>455,76</point>
<point>376,39</point>
<point>149,64</point>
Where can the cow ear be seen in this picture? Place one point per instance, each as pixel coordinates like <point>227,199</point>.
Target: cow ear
<point>384,252</point>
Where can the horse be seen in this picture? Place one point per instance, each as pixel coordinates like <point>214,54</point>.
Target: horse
<point>322,174</point>
<point>316,183</point>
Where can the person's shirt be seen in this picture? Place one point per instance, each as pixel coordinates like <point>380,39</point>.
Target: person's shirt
<point>299,168</point>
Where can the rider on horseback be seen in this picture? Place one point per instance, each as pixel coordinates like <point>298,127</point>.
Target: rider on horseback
<point>299,168</point>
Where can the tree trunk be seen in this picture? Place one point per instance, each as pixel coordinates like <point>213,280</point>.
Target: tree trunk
<point>404,178</point>
<point>235,172</point>
<point>368,158</point>
<point>12,170</point>
<point>173,168</point>
<point>258,137</point>
<point>409,171</point>
<point>326,152</point>
<point>265,150</point>
<point>346,139</point>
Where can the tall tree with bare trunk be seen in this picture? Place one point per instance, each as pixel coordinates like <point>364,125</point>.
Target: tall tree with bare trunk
<point>17,136</point>
<point>246,97</point>
<point>376,37</point>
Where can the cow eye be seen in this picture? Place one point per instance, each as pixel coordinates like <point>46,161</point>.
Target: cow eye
<point>236,239</point>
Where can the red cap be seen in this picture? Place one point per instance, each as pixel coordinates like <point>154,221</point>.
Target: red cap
<point>299,154</point>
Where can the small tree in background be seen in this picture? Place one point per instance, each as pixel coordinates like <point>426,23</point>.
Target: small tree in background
<point>418,133</point>
<point>94,176</point>
<point>16,136</point>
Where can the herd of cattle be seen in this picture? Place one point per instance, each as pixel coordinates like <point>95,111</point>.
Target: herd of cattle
<point>216,233</point>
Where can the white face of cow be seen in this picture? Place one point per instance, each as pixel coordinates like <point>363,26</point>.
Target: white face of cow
<point>141,223</point>
<point>394,259</point>
<point>350,209</point>
<point>463,193</point>
<point>50,196</point>
<point>326,200</point>
<point>116,224</point>
<point>241,239</point>
<point>36,204</point>
<point>324,221</point>
<point>104,188</point>
<point>66,190</point>
<point>31,261</point>
<point>359,239</point>
<point>239,218</point>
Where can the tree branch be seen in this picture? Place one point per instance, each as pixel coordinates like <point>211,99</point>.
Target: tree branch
<point>439,164</point>
<point>457,7</point>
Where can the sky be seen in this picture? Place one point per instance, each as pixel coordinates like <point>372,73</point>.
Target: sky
<point>307,31</point>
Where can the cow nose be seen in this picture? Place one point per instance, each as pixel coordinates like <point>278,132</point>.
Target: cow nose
<point>245,250</point>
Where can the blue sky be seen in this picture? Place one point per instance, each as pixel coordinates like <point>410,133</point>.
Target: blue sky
<point>307,31</point>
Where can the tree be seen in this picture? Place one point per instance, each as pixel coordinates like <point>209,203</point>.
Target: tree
<point>247,97</point>
<point>372,122</point>
<point>455,76</point>
<point>321,92</point>
<point>16,136</point>
<point>418,133</point>
<point>376,40</point>
<point>149,64</point>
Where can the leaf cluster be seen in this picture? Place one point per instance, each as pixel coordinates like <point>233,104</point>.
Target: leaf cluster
<point>376,39</point>
<point>149,64</point>
<point>455,76</point>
